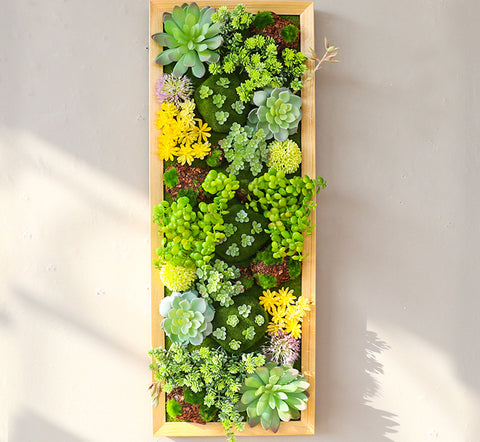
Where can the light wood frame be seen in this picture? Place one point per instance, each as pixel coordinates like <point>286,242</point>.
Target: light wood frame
<point>306,425</point>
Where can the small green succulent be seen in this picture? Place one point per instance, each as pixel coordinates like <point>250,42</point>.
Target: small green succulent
<point>273,394</point>
<point>205,92</point>
<point>218,100</point>
<point>221,117</point>
<point>190,38</point>
<point>278,112</point>
<point>188,318</point>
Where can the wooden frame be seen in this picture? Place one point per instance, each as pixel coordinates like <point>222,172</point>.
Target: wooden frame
<point>306,425</point>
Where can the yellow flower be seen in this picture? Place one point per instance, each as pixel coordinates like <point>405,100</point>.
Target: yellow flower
<point>185,155</point>
<point>200,150</point>
<point>268,300</point>
<point>187,107</point>
<point>303,303</point>
<point>273,328</point>
<point>202,131</point>
<point>278,316</point>
<point>294,328</point>
<point>285,297</point>
<point>166,147</point>
<point>294,314</point>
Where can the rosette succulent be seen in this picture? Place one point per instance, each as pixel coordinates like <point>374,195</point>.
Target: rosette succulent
<point>273,394</point>
<point>188,318</point>
<point>190,39</point>
<point>278,112</point>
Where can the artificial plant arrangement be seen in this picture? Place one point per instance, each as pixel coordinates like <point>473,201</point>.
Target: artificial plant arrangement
<point>234,218</point>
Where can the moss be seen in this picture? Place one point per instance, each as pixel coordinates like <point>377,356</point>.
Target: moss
<point>290,33</point>
<point>193,398</point>
<point>295,285</point>
<point>174,408</point>
<point>207,413</point>
<point>243,228</point>
<point>249,298</point>
<point>263,19</point>
<point>247,282</point>
<point>266,281</point>
<point>295,19</point>
<point>207,107</point>
<point>207,342</point>
<point>190,194</point>
<point>294,268</point>
<point>170,177</point>
<point>215,159</point>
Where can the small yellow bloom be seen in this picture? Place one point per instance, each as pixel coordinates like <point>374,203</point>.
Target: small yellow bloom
<point>185,155</point>
<point>201,150</point>
<point>268,300</point>
<point>285,297</point>
<point>303,303</point>
<point>202,131</point>
<point>187,107</point>
<point>294,328</point>
<point>294,314</point>
<point>273,328</point>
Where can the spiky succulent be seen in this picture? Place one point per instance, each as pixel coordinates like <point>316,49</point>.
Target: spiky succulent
<point>278,112</point>
<point>188,318</point>
<point>190,38</point>
<point>273,394</point>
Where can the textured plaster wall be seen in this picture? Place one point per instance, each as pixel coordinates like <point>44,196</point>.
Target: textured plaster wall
<point>398,234</point>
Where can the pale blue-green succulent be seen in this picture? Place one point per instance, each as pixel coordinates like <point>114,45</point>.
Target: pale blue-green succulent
<point>273,394</point>
<point>278,112</point>
<point>188,318</point>
<point>189,40</point>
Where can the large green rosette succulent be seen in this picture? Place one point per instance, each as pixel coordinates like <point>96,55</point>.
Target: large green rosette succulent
<point>273,394</point>
<point>188,318</point>
<point>278,112</point>
<point>190,38</point>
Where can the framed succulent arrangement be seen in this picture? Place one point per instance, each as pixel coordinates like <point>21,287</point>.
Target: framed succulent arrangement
<point>232,193</point>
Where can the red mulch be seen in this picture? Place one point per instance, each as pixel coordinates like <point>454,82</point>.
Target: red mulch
<point>279,270</point>
<point>274,31</point>
<point>189,177</point>
<point>190,412</point>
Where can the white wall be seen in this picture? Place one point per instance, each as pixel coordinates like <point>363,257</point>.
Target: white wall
<point>398,242</point>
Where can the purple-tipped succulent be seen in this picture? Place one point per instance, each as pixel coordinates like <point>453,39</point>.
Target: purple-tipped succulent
<point>283,348</point>
<point>173,89</point>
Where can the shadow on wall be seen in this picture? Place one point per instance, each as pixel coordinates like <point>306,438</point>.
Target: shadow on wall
<point>29,426</point>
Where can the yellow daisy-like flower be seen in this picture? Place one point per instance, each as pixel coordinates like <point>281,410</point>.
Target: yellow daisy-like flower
<point>187,108</point>
<point>285,297</point>
<point>294,328</point>
<point>278,316</point>
<point>268,300</point>
<point>273,328</point>
<point>185,155</point>
<point>303,303</point>
<point>201,150</point>
<point>202,131</point>
<point>294,314</point>
<point>187,121</point>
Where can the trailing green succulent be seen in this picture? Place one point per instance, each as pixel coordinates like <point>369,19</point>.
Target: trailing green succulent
<point>287,203</point>
<point>217,183</point>
<point>244,234</point>
<point>189,235</point>
<point>273,394</point>
<point>278,113</point>
<point>236,327</point>
<point>219,282</point>
<point>215,373</point>
<point>245,148</point>
<point>191,38</point>
<point>188,318</point>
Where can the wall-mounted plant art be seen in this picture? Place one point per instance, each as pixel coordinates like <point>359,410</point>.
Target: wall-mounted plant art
<point>233,195</point>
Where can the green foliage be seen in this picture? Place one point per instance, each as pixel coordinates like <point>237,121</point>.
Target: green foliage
<point>177,278</point>
<point>273,394</point>
<point>284,155</point>
<point>191,38</point>
<point>278,113</point>
<point>190,194</point>
<point>236,230</point>
<point>223,82</point>
<point>263,19</point>
<point>290,33</point>
<point>188,318</point>
<point>266,281</point>
<point>238,106</point>
<point>287,203</point>
<point>211,371</point>
<point>294,268</point>
<point>207,413</point>
<point>207,104</point>
<point>214,160</point>
<point>218,100</point>
<point>221,117</point>
<point>236,324</point>
<point>257,59</point>
<point>170,177</point>
<point>193,397</point>
<point>222,185</point>
<point>174,408</point>
<point>204,92</point>
<point>219,282</point>
<point>245,149</point>
<point>189,235</point>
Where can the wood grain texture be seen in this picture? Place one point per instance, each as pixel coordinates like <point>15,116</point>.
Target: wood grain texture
<point>306,425</point>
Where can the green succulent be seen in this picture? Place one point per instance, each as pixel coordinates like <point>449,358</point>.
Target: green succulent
<point>191,38</point>
<point>273,394</point>
<point>188,318</point>
<point>278,112</point>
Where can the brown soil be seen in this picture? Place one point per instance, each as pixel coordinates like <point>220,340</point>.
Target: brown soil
<point>188,178</point>
<point>274,31</point>
<point>190,412</point>
<point>279,270</point>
